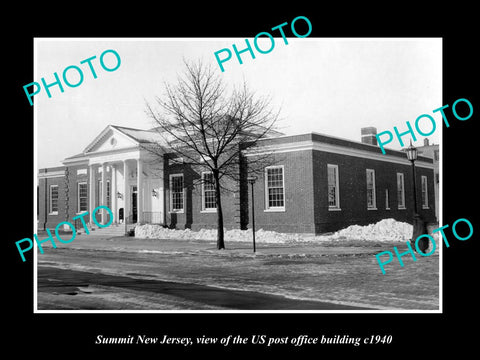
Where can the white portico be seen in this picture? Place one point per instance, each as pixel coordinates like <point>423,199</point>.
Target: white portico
<point>123,175</point>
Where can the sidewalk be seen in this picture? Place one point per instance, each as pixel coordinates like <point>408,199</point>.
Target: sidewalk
<point>133,244</point>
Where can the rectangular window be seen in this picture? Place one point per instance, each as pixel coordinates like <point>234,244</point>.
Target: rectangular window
<point>82,197</point>
<point>100,193</point>
<point>387,200</point>
<point>371,195</point>
<point>424,193</point>
<point>333,189</point>
<point>176,193</point>
<point>400,191</point>
<point>274,188</point>
<point>209,203</point>
<point>54,199</point>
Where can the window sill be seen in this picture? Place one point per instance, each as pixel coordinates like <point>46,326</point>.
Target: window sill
<point>372,208</point>
<point>53,213</point>
<point>334,209</point>
<point>402,208</point>
<point>425,207</point>
<point>176,212</point>
<point>387,208</point>
<point>274,210</point>
<point>212,211</point>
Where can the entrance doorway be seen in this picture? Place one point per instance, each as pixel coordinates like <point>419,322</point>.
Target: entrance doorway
<point>134,203</point>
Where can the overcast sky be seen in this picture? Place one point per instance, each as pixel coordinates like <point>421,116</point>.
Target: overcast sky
<point>332,86</point>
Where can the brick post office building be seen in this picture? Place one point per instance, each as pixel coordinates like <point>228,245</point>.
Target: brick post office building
<point>315,184</point>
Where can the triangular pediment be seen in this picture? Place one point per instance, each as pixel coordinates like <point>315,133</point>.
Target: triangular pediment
<point>110,139</point>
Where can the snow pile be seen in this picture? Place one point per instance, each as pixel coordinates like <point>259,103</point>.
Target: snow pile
<point>158,232</point>
<point>384,230</point>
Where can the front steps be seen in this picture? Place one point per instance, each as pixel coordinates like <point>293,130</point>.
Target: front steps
<point>112,230</point>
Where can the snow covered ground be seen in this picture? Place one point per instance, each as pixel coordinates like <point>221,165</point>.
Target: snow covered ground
<point>386,230</point>
<point>339,268</point>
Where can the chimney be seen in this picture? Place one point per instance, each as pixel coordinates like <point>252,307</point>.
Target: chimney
<point>368,135</point>
<point>426,142</point>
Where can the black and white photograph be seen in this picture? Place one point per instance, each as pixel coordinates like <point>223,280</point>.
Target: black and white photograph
<point>271,183</point>
<point>189,160</point>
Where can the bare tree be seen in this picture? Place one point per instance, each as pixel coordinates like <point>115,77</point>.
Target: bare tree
<point>209,125</point>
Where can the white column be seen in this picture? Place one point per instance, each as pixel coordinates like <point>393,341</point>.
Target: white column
<point>139,191</point>
<point>126,198</point>
<point>103,200</point>
<point>91,190</point>
<point>113,194</point>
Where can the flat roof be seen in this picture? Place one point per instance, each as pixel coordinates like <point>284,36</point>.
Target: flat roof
<point>333,140</point>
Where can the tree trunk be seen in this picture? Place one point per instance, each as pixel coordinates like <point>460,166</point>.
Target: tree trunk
<point>220,234</point>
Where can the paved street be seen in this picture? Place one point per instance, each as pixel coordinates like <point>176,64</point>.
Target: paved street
<point>155,294</point>
<point>122,273</point>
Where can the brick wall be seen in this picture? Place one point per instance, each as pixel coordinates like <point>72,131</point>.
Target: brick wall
<point>298,180</point>
<point>67,196</point>
<point>306,195</point>
<point>193,216</point>
<point>353,192</point>
<point>47,219</point>
<point>73,179</point>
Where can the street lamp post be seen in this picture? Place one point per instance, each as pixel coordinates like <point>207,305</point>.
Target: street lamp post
<point>412,155</point>
<point>251,180</point>
<point>418,223</point>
